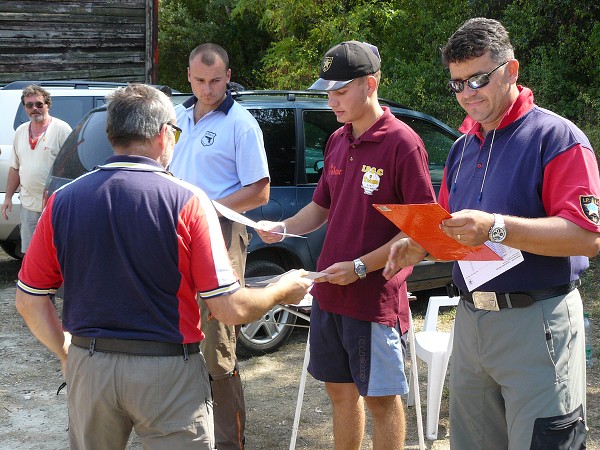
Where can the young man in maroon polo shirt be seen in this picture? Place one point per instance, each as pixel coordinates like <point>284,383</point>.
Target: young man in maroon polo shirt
<point>358,317</point>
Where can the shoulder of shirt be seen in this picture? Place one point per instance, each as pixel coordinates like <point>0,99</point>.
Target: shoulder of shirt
<point>56,122</point>
<point>189,186</point>
<point>22,126</point>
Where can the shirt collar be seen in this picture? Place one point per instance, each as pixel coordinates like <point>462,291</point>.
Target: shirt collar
<point>522,105</point>
<point>375,133</point>
<point>132,162</point>
<point>224,107</point>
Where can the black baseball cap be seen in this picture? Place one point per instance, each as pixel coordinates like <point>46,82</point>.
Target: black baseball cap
<point>345,62</point>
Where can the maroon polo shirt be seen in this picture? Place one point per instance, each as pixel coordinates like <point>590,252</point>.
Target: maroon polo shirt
<point>387,164</point>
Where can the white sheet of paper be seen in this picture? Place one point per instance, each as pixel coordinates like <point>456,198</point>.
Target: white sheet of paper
<point>310,275</point>
<point>237,217</point>
<point>477,273</point>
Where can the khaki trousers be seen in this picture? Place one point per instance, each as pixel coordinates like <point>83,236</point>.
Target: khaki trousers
<point>218,348</point>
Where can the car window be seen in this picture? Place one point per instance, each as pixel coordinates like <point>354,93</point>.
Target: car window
<point>279,133</point>
<point>85,148</point>
<point>69,109</point>
<point>437,143</point>
<point>318,126</point>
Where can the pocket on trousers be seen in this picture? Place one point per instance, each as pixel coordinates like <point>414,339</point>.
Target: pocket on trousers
<point>566,432</point>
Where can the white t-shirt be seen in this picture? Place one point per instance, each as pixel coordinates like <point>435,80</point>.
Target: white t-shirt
<point>34,165</point>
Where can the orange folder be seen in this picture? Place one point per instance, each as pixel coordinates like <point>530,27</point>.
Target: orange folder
<point>422,223</point>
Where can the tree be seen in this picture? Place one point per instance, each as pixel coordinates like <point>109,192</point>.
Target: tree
<point>278,44</point>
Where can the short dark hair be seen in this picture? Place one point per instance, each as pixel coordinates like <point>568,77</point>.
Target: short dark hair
<point>209,53</point>
<point>475,38</point>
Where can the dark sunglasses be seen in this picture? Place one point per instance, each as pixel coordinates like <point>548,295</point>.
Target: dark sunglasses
<point>38,105</point>
<point>475,82</point>
<point>176,131</point>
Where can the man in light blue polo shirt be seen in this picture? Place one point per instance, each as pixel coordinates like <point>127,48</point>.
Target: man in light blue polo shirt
<point>221,150</point>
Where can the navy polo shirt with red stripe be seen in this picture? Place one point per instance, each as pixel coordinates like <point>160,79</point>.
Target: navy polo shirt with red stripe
<point>540,165</point>
<point>134,245</point>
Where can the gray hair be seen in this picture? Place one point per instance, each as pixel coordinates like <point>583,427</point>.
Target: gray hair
<point>34,89</point>
<point>136,113</point>
<point>475,38</point>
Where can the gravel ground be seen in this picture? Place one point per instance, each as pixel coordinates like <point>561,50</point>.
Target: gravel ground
<point>32,416</point>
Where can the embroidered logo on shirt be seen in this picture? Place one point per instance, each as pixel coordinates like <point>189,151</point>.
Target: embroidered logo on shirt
<point>334,170</point>
<point>589,206</point>
<point>208,138</point>
<point>371,179</point>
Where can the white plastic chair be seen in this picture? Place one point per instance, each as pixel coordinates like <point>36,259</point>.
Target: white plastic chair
<point>414,378</point>
<point>434,348</point>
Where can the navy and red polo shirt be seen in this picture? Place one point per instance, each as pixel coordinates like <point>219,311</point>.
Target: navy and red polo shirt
<point>540,165</point>
<point>133,245</point>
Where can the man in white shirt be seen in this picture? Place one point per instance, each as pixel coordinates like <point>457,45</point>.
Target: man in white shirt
<point>221,150</point>
<point>35,146</point>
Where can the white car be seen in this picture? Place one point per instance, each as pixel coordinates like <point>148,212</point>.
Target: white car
<point>71,100</point>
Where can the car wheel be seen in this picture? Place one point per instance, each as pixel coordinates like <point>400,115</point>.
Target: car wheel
<point>273,329</point>
<point>12,249</point>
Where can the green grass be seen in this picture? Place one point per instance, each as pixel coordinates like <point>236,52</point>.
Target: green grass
<point>590,289</point>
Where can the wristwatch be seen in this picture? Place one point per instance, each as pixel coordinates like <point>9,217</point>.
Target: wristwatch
<point>360,269</point>
<point>498,231</point>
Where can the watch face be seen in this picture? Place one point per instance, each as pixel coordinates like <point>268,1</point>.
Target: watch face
<point>497,234</point>
<point>360,269</point>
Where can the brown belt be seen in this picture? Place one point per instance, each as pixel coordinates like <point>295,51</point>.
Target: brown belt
<point>135,347</point>
<point>523,299</point>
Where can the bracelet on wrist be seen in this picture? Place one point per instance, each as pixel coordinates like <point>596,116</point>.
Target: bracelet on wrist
<point>284,231</point>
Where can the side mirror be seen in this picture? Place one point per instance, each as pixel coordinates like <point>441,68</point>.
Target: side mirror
<point>319,167</point>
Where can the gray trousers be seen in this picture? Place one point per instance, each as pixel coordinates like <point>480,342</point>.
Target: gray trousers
<point>164,398</point>
<point>29,220</point>
<point>516,372</point>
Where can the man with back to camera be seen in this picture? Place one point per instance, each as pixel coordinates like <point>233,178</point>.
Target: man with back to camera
<point>222,152</point>
<point>35,146</point>
<point>528,178</point>
<point>358,319</point>
<point>130,292</point>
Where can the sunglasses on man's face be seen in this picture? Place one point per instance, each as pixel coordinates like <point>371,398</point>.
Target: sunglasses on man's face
<point>475,82</point>
<point>38,105</point>
<point>176,131</point>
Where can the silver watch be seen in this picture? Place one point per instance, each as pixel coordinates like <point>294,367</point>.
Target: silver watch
<point>360,269</point>
<point>497,232</point>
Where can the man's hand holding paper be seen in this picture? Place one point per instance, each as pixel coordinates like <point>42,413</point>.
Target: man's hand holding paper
<point>469,227</point>
<point>270,232</point>
<point>422,222</point>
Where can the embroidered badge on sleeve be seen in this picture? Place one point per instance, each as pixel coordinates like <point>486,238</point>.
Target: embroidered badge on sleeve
<point>589,206</point>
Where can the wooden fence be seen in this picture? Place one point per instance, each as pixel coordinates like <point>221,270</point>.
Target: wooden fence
<point>109,40</point>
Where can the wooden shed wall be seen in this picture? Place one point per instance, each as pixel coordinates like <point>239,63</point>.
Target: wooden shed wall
<point>108,40</point>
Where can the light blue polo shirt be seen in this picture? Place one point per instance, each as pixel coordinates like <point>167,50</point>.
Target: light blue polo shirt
<point>221,153</point>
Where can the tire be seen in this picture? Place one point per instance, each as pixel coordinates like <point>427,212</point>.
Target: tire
<point>273,329</point>
<point>12,249</point>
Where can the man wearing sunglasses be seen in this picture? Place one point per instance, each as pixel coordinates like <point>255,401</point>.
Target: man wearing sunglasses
<point>527,178</point>
<point>35,146</point>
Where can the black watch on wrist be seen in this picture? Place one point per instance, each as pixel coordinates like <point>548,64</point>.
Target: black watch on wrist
<point>360,269</point>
